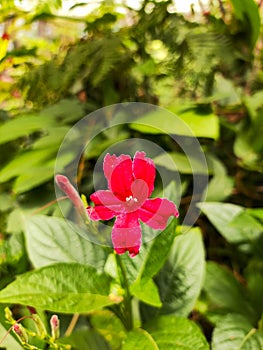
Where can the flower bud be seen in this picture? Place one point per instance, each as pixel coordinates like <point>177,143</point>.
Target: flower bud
<point>41,330</point>
<point>20,332</point>
<point>64,184</point>
<point>54,323</point>
<point>8,315</point>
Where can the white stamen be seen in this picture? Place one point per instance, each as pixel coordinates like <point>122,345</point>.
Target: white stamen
<point>130,198</point>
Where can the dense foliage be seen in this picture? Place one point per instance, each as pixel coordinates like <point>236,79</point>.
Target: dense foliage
<point>192,288</point>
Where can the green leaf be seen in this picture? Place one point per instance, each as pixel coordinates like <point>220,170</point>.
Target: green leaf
<point>226,293</point>
<point>50,240</point>
<point>142,337</point>
<point>176,333</point>
<point>221,185</point>
<point>254,279</point>
<point>157,253</point>
<point>147,292</point>
<point>234,222</point>
<point>235,332</point>
<point>188,121</point>
<point>23,126</point>
<point>181,278</point>
<point>87,339</point>
<point>63,287</point>
<point>248,10</point>
<point>66,110</point>
<point>182,163</point>
<point>33,178</point>
<point>109,326</point>
<point>25,162</point>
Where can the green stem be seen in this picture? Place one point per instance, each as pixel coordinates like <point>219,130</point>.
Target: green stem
<point>127,303</point>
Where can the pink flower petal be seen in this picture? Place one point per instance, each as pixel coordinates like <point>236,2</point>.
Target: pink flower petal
<point>127,234</point>
<point>118,171</point>
<point>156,212</point>
<point>144,168</point>
<point>106,206</point>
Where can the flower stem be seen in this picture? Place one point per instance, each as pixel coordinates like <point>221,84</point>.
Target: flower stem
<point>127,303</point>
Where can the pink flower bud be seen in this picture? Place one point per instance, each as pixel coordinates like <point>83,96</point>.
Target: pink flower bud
<point>54,323</point>
<point>20,332</point>
<point>64,184</point>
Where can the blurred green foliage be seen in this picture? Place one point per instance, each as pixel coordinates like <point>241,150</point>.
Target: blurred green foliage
<point>205,67</point>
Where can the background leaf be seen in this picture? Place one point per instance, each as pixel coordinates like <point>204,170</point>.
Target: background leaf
<point>176,333</point>
<point>226,294</point>
<point>234,331</point>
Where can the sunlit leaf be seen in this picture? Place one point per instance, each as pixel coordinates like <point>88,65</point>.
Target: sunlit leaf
<point>63,287</point>
<point>176,333</point>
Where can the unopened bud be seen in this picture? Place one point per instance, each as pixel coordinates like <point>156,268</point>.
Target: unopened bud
<point>8,315</point>
<point>41,329</point>
<point>54,323</point>
<point>64,184</point>
<point>20,332</point>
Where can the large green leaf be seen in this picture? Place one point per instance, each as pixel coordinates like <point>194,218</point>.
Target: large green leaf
<point>50,240</point>
<point>234,223</point>
<point>221,185</point>
<point>157,254</point>
<point>87,339</point>
<point>188,121</point>
<point>226,293</point>
<point>235,332</point>
<point>176,333</point>
<point>153,259</point>
<point>181,278</point>
<point>63,287</point>
<point>139,337</point>
<point>25,162</point>
<point>185,164</point>
<point>23,126</point>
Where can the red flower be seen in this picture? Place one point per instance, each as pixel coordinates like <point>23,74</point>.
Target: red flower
<point>130,184</point>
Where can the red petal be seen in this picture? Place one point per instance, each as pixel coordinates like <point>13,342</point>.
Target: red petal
<point>127,234</point>
<point>106,206</point>
<point>156,212</point>
<point>118,171</point>
<point>144,168</point>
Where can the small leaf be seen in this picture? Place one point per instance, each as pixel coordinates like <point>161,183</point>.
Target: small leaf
<point>176,333</point>
<point>147,292</point>
<point>142,337</point>
<point>50,240</point>
<point>63,287</point>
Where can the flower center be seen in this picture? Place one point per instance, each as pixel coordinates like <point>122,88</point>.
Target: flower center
<point>131,200</point>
